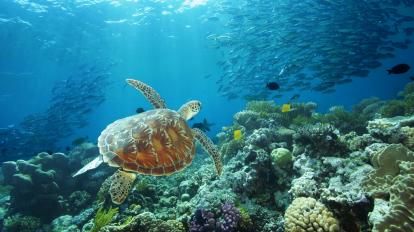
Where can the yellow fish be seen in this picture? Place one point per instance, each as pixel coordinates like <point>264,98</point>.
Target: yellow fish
<point>285,108</point>
<point>237,134</point>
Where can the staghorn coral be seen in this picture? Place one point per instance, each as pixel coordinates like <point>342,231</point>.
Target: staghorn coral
<point>307,215</point>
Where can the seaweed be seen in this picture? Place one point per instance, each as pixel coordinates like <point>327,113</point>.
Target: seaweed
<point>103,218</point>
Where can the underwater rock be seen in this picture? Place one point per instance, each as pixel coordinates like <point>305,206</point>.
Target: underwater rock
<point>9,168</point>
<point>307,214</point>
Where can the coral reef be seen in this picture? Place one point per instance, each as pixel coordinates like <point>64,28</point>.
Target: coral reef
<point>320,140</point>
<point>392,179</point>
<point>38,185</point>
<point>146,222</point>
<point>19,223</point>
<point>306,214</point>
<point>205,220</point>
<point>295,170</point>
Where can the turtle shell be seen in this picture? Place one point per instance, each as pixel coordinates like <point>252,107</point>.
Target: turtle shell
<point>155,142</point>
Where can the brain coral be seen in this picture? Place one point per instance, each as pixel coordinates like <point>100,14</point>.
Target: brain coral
<point>305,214</point>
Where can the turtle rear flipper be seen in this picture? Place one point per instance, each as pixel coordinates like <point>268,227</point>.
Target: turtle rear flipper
<point>210,148</point>
<point>91,165</point>
<point>152,96</point>
<point>121,183</point>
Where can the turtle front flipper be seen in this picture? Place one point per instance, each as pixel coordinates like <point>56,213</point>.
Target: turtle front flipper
<point>152,96</point>
<point>91,165</point>
<point>210,148</point>
<point>121,183</point>
<point>190,109</point>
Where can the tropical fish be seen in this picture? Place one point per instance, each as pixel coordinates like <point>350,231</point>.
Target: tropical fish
<point>286,108</point>
<point>204,125</point>
<point>272,86</point>
<point>399,69</point>
<point>237,135</point>
<point>139,110</point>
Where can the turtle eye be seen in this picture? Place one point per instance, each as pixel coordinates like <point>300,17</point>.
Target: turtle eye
<point>196,106</point>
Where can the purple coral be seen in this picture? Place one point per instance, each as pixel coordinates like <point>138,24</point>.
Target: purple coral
<point>230,217</point>
<point>204,220</point>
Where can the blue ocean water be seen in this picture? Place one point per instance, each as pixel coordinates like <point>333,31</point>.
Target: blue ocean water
<point>162,43</point>
<point>63,63</point>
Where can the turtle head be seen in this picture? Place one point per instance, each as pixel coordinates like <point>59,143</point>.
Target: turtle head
<point>190,109</point>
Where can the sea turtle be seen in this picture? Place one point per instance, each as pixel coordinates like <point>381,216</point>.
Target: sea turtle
<point>155,142</point>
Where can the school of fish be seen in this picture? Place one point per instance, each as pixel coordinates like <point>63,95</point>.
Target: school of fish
<point>304,44</point>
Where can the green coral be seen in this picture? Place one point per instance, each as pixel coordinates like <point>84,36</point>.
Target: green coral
<point>393,108</point>
<point>345,121</point>
<point>245,222</point>
<point>103,218</point>
<point>20,223</point>
<point>146,222</point>
<point>142,185</point>
<point>405,106</point>
<point>281,157</point>
<point>263,107</point>
<point>301,120</point>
